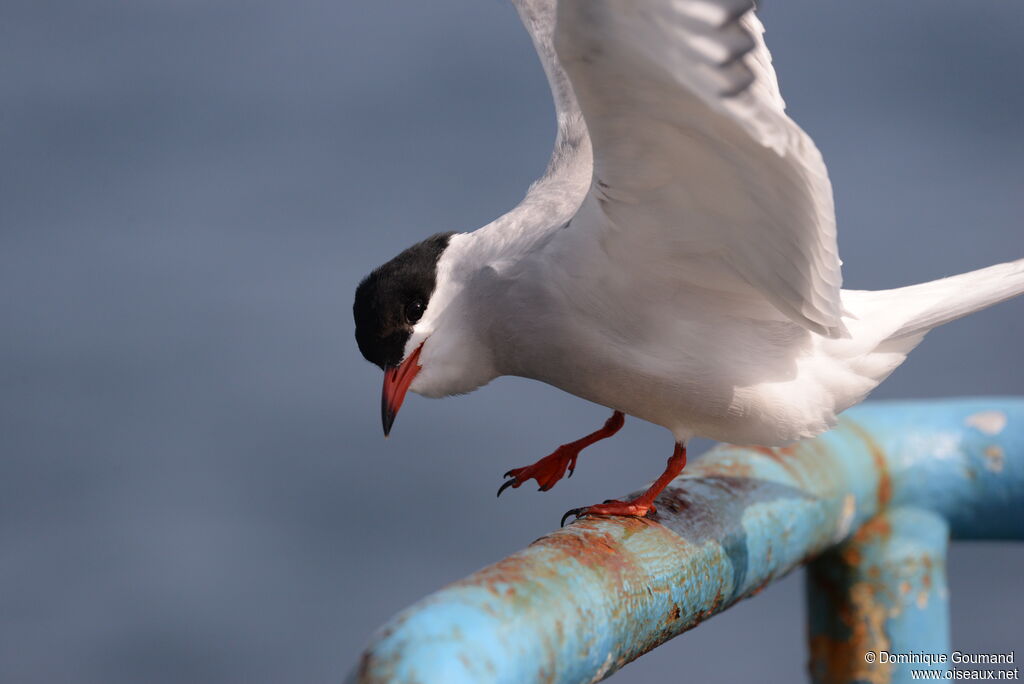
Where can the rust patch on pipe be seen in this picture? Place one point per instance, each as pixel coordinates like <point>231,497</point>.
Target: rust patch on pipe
<point>597,550</point>
<point>878,457</point>
<point>715,607</point>
<point>721,465</point>
<point>851,555</point>
<point>864,616</point>
<point>585,544</point>
<point>994,458</point>
<point>876,527</point>
<point>784,456</point>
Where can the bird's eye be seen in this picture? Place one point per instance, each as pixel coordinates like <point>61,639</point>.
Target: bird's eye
<point>414,311</point>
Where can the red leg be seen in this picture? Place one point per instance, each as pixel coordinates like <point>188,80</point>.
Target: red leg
<point>643,503</point>
<point>550,469</point>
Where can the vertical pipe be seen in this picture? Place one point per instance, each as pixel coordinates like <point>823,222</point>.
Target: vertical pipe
<point>880,595</point>
<point>578,604</point>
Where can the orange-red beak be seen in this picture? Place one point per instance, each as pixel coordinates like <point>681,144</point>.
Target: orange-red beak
<point>396,383</point>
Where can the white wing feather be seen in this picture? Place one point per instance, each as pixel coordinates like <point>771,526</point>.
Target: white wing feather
<point>694,156</point>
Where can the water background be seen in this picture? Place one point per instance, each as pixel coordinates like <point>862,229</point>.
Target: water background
<point>193,485</point>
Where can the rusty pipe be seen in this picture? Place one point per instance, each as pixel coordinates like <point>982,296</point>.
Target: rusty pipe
<point>581,602</point>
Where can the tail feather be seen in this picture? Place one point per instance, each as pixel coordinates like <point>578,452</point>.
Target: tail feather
<point>894,318</point>
<point>938,302</point>
<point>885,325</point>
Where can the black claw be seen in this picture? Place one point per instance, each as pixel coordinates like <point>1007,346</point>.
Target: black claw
<point>508,474</point>
<point>572,511</point>
<point>506,485</point>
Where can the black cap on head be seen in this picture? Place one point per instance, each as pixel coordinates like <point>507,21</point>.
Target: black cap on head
<point>392,299</point>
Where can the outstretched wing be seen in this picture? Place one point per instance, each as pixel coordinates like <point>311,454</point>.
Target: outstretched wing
<point>693,153</point>
<point>572,145</point>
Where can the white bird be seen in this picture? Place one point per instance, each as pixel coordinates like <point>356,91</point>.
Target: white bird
<point>677,262</point>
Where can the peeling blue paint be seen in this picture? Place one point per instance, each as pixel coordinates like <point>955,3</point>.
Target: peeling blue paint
<point>880,489</point>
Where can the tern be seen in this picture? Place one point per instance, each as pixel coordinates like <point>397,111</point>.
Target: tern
<point>677,262</point>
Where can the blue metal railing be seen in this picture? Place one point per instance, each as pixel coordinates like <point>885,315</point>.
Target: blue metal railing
<point>868,506</point>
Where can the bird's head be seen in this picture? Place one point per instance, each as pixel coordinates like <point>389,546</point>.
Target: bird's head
<point>401,325</point>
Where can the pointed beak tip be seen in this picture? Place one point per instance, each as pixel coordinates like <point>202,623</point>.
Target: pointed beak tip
<point>387,415</point>
<point>396,382</point>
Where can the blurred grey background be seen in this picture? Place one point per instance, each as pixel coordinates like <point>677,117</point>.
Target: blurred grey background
<point>193,484</point>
